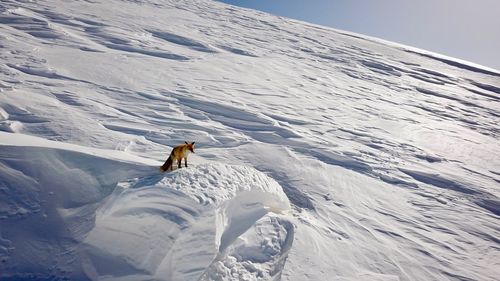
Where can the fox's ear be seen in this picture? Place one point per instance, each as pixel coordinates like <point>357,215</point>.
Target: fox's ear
<point>186,142</point>
<point>192,142</point>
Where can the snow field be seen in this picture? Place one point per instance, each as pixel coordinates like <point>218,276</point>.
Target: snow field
<point>384,157</point>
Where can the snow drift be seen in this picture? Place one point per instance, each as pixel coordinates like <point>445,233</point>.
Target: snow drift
<point>101,215</point>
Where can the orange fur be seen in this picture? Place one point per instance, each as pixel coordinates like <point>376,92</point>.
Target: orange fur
<point>178,153</point>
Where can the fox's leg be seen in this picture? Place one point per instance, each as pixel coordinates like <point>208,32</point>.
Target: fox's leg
<point>179,163</point>
<point>186,162</point>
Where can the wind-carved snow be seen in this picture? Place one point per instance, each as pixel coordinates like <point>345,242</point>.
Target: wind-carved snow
<point>174,226</point>
<point>387,154</point>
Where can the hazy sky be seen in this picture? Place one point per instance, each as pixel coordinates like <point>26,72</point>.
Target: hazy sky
<point>466,29</point>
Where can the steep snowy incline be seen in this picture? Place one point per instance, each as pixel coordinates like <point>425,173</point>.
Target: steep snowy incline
<point>388,154</point>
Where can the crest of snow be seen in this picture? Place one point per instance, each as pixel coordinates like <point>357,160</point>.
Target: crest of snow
<point>171,226</point>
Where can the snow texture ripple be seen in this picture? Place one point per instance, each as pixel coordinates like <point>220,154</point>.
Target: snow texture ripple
<point>321,154</point>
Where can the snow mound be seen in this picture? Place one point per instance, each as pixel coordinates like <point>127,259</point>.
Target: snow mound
<point>217,203</point>
<point>217,183</point>
<point>93,216</point>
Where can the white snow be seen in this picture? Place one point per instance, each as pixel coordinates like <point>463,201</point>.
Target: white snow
<point>109,215</point>
<point>320,154</point>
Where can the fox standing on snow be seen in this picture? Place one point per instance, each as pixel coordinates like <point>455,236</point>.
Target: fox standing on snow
<point>179,152</point>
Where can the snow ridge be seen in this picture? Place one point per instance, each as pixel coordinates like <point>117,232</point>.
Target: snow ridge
<point>151,226</point>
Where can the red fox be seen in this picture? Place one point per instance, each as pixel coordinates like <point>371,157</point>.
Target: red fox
<point>179,152</point>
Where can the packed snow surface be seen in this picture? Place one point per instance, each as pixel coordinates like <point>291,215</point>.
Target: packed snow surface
<point>320,154</point>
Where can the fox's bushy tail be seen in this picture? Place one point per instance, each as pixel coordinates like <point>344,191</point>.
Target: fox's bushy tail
<point>167,165</point>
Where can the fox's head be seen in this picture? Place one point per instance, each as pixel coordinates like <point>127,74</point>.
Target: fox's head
<point>190,146</point>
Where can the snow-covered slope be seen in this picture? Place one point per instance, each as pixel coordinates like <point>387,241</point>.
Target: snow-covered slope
<point>321,154</point>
